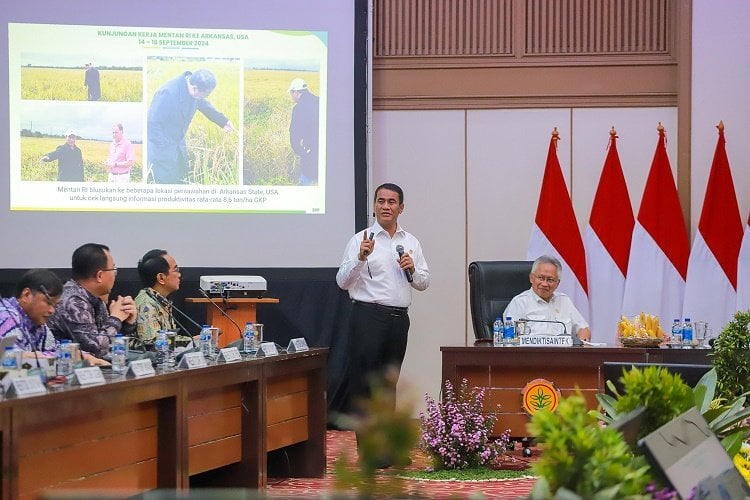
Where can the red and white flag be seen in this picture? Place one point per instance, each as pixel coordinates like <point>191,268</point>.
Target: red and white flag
<point>743,272</point>
<point>659,250</point>
<point>607,243</point>
<point>711,289</point>
<point>556,232</point>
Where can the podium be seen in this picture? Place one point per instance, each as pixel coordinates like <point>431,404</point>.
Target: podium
<point>241,310</point>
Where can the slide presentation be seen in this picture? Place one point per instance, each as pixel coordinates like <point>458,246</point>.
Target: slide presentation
<point>123,95</point>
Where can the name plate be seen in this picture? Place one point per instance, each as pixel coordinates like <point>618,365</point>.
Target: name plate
<point>297,345</point>
<point>192,360</point>
<point>26,386</point>
<point>546,340</point>
<point>229,355</point>
<point>140,368</point>
<point>267,349</point>
<point>89,376</point>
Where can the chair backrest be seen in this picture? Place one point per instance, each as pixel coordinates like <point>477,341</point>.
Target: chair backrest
<point>492,285</point>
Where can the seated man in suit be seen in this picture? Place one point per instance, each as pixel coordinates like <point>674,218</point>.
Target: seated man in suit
<point>542,303</point>
<point>82,316</point>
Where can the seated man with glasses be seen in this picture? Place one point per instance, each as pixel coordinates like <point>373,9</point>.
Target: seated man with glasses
<point>160,276</point>
<point>545,309</point>
<point>82,316</point>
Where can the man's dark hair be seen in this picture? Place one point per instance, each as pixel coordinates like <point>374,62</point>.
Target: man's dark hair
<point>203,79</point>
<point>390,187</point>
<point>88,260</point>
<point>39,280</point>
<point>151,264</point>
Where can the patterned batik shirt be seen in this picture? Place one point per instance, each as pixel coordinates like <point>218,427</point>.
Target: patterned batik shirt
<point>16,323</point>
<point>84,318</point>
<point>154,314</point>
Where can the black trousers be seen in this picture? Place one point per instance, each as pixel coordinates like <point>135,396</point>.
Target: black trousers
<point>376,345</point>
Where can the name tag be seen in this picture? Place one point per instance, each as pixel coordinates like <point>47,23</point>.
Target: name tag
<point>229,355</point>
<point>140,368</point>
<point>267,349</point>
<point>192,360</point>
<point>89,376</point>
<point>27,386</point>
<point>546,340</point>
<point>297,345</point>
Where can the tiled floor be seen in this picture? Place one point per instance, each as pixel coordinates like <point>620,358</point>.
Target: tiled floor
<point>339,442</point>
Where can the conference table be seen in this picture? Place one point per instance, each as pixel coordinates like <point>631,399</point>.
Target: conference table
<point>504,372</point>
<point>214,426</point>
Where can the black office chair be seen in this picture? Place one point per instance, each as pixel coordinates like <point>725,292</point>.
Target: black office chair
<point>492,285</point>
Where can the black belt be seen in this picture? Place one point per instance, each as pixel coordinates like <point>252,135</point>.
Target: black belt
<point>381,307</point>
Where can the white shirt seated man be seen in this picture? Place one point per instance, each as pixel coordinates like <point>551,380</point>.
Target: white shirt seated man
<point>542,303</point>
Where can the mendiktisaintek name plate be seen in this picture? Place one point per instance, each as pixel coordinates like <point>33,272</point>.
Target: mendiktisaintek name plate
<point>545,341</point>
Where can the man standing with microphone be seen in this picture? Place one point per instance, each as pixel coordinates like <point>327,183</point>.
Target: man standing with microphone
<point>380,267</point>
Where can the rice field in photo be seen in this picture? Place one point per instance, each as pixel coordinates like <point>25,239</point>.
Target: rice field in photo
<point>66,84</point>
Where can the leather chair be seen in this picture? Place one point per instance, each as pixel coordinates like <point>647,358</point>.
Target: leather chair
<point>492,285</point>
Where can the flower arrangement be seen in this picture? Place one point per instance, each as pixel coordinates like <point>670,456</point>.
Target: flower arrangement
<point>742,461</point>
<point>456,432</point>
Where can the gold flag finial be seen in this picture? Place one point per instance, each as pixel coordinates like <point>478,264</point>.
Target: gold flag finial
<point>555,134</point>
<point>720,126</point>
<point>613,132</point>
<point>660,127</point>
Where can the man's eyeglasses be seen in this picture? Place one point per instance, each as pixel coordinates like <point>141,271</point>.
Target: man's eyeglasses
<point>546,279</point>
<point>50,301</point>
<point>113,269</point>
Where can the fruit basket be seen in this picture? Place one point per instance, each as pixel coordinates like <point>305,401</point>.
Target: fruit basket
<point>642,330</point>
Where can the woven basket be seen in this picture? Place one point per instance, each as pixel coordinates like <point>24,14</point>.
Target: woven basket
<point>641,341</point>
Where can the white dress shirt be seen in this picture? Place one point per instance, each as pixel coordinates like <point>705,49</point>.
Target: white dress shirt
<point>388,285</point>
<point>531,306</point>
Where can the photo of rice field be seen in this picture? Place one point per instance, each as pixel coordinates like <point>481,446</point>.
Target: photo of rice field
<point>268,158</point>
<point>213,154</point>
<point>94,156</point>
<point>66,84</point>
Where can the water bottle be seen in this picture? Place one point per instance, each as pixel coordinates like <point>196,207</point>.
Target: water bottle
<point>509,331</point>
<point>161,344</point>
<point>676,332</point>
<point>248,337</point>
<point>205,342</point>
<point>64,362</point>
<point>497,332</point>
<point>687,332</point>
<point>9,358</point>
<point>118,354</point>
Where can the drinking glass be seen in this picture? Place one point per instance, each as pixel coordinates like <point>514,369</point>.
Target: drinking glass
<point>215,332</point>
<point>701,329</point>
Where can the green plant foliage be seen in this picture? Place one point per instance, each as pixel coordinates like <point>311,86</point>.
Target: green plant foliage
<point>579,456</point>
<point>473,474</point>
<point>664,395</point>
<point>728,419</point>
<point>731,357</point>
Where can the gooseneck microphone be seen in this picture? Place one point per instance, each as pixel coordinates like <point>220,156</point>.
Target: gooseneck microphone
<point>170,305</point>
<point>222,311</point>
<point>553,321</point>
<point>407,272</point>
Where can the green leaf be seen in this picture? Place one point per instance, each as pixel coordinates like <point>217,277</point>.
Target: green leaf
<point>732,443</point>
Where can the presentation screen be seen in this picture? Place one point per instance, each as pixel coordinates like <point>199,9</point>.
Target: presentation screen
<point>222,131</point>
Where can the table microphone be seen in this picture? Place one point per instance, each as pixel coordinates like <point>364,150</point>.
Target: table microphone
<point>222,311</point>
<point>169,304</point>
<point>407,272</point>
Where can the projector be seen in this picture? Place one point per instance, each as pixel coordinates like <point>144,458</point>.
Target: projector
<point>234,286</point>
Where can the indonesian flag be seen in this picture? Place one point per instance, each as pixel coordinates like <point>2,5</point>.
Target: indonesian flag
<point>607,242</point>
<point>556,232</point>
<point>711,289</point>
<point>743,272</point>
<point>657,266</point>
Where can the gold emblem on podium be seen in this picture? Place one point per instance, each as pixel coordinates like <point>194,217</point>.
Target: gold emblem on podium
<point>539,394</point>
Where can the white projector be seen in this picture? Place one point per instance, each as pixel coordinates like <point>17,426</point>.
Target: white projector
<point>234,286</point>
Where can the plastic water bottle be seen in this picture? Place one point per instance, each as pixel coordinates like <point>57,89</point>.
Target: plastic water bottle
<point>676,331</point>
<point>509,331</point>
<point>161,345</point>
<point>497,332</point>
<point>9,358</point>
<point>687,332</point>
<point>205,342</point>
<point>64,365</point>
<point>118,354</point>
<point>248,337</point>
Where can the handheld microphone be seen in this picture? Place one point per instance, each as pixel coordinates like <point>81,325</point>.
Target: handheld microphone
<point>407,272</point>
<point>222,311</point>
<point>372,235</point>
